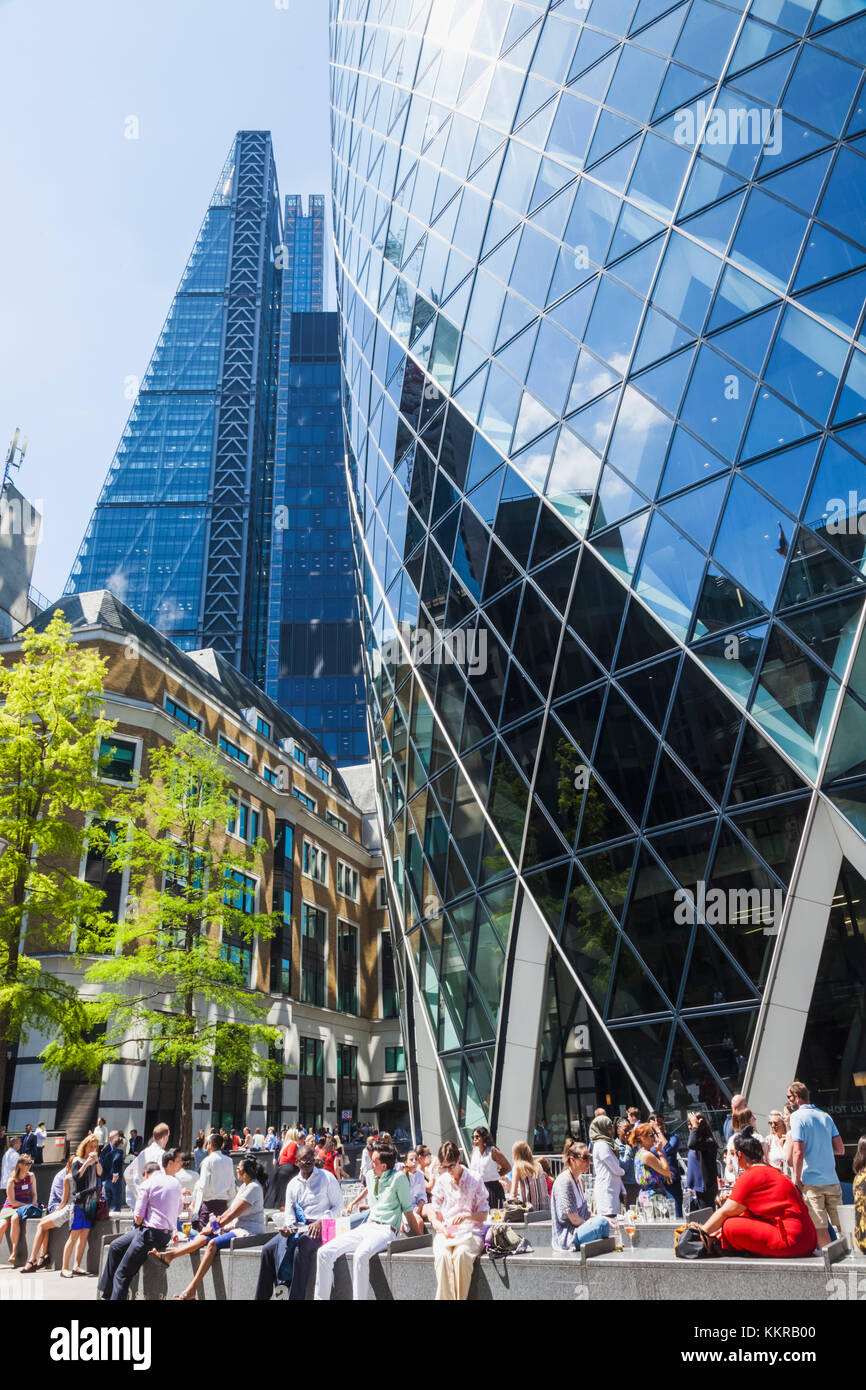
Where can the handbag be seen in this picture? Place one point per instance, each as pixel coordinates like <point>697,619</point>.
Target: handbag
<point>102,1211</point>
<point>693,1243</point>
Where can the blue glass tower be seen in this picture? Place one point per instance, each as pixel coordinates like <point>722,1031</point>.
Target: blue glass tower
<point>181,531</point>
<point>313,666</point>
<point>601,271</point>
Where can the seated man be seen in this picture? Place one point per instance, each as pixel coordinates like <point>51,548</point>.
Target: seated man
<point>310,1197</point>
<point>570,1222</point>
<point>157,1211</point>
<point>389,1198</point>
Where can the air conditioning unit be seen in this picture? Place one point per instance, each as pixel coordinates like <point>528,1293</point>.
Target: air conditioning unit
<point>288,745</point>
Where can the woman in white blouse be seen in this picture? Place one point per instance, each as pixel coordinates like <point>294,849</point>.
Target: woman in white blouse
<point>780,1144</point>
<point>608,1186</point>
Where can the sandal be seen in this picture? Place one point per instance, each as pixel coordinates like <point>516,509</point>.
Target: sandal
<point>29,1267</point>
<point>42,1261</point>
<point>66,1274</point>
<point>184,1297</point>
<point>83,1272</point>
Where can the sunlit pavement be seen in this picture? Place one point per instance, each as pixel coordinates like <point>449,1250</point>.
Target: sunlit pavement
<point>45,1287</point>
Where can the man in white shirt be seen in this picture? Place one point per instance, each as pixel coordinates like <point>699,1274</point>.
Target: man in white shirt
<point>41,1136</point>
<point>10,1158</point>
<point>100,1131</point>
<point>310,1197</point>
<point>217,1184</point>
<point>152,1154</point>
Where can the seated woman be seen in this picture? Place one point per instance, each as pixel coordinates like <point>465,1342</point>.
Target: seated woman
<point>528,1184</point>
<point>570,1222</point>
<point>860,1195</point>
<point>765,1213</point>
<point>19,1203</point>
<point>58,1215</point>
<point>245,1216</point>
<point>457,1207</point>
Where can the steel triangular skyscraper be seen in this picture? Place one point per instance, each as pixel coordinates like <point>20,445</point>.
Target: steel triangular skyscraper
<point>182,527</point>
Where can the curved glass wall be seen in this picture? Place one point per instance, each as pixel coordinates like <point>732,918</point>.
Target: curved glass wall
<point>601,274</point>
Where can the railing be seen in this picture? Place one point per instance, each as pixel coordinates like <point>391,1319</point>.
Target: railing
<point>38,599</point>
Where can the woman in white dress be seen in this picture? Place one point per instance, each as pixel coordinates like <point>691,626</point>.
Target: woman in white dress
<point>780,1144</point>
<point>608,1186</point>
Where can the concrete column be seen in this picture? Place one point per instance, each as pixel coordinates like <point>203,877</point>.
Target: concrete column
<point>521,1040</point>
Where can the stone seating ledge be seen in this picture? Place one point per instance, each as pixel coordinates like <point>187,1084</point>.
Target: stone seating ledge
<point>405,1273</point>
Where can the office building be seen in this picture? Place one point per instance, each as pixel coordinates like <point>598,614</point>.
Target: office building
<point>326,974</point>
<point>601,273</point>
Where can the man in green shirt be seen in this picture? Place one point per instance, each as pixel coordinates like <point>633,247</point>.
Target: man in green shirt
<point>388,1196</point>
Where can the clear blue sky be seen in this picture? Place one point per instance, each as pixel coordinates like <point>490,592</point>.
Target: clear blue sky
<point>95,228</point>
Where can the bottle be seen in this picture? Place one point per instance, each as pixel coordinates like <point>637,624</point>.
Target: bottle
<point>617,1234</point>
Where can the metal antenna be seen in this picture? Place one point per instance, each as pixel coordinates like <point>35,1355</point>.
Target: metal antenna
<point>14,457</point>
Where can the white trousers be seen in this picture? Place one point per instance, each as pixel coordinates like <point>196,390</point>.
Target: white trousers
<point>362,1244</point>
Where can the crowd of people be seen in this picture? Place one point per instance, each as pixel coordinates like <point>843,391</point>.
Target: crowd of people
<point>773,1195</point>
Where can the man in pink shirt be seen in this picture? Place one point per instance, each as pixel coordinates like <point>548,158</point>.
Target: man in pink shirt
<point>157,1212</point>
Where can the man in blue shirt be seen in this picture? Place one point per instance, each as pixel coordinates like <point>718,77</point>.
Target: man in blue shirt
<point>816,1144</point>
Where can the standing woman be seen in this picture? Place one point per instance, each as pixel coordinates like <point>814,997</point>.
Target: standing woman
<point>651,1169</point>
<point>286,1169</point>
<point>860,1195</point>
<point>778,1152</point>
<point>608,1186</point>
<point>670,1148</point>
<point>702,1175</point>
<point>59,1213</point>
<point>84,1179</point>
<point>488,1165</point>
<point>625,1154</point>
<point>19,1203</point>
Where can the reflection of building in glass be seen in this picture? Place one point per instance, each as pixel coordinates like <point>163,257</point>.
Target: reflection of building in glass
<point>604,386</point>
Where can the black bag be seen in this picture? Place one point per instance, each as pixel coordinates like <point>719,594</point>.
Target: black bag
<point>693,1243</point>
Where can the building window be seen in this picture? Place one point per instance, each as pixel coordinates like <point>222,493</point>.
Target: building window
<point>182,715</point>
<point>315,863</point>
<point>382,892</point>
<point>117,760</point>
<point>348,881</point>
<point>395,1059</point>
<point>324,775</point>
<point>390,1000</point>
<point>314,945</point>
<point>241,957</point>
<point>304,800</point>
<point>240,892</point>
<point>300,756</point>
<point>337,822</point>
<point>347,968</point>
<point>347,1062</point>
<point>233,750</point>
<point>99,873</point>
<point>263,727</point>
<point>311,1059</point>
<point>270,776</point>
<point>244,821</point>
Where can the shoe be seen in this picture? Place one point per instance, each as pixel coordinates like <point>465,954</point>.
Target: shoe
<point>66,1274</point>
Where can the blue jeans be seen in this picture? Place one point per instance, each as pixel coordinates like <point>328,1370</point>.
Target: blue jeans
<point>596,1228</point>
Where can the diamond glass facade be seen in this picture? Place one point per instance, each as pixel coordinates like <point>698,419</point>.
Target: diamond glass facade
<point>601,273</point>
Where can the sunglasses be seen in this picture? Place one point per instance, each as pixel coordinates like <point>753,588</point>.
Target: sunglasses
<point>446,1167</point>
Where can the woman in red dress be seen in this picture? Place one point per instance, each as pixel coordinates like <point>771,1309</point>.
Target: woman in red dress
<point>765,1213</point>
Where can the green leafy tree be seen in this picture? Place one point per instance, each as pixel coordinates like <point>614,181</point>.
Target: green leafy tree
<point>51,725</point>
<point>169,982</point>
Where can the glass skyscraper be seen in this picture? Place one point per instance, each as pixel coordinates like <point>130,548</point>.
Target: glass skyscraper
<point>601,274</point>
<point>224,519</point>
<point>313,667</point>
<point>181,530</point>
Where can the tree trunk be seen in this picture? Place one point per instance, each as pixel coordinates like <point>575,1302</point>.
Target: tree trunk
<point>185,1137</point>
<point>10,976</point>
